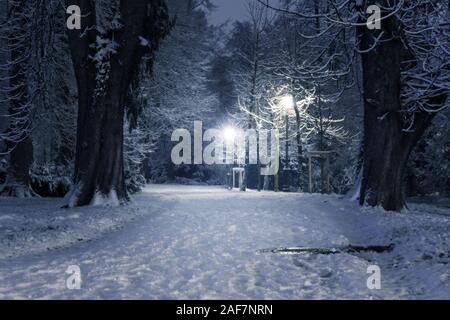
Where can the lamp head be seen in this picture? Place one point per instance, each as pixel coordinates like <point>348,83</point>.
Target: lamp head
<point>287,102</point>
<point>229,134</point>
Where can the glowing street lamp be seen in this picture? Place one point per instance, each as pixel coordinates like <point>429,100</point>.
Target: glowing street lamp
<point>229,134</point>
<point>287,103</point>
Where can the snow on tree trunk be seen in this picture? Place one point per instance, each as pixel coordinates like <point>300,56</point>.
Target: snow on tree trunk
<point>105,64</point>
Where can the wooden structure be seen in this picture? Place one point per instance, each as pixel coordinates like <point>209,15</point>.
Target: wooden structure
<point>240,172</point>
<point>325,156</point>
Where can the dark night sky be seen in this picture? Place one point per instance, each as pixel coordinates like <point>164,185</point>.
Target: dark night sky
<point>228,9</point>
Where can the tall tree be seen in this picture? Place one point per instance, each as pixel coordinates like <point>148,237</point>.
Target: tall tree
<point>179,95</point>
<point>36,92</point>
<point>17,137</point>
<point>106,53</point>
<point>404,80</point>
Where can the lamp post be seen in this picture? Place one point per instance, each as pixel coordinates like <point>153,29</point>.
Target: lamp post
<point>287,103</point>
<point>229,136</point>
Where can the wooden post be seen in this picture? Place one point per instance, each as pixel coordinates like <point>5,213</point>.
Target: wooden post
<point>310,172</point>
<point>328,173</point>
<point>234,179</point>
<point>241,180</point>
<point>276,183</point>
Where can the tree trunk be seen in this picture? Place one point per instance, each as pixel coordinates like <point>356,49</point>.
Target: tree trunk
<point>258,166</point>
<point>298,138</point>
<point>386,146</point>
<point>18,141</point>
<point>99,168</point>
<point>18,178</point>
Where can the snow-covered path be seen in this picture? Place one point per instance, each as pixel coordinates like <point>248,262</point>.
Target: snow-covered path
<point>203,242</point>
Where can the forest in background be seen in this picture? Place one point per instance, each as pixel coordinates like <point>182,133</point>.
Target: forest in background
<point>376,99</point>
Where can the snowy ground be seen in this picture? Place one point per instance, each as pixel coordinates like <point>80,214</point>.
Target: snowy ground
<point>184,242</point>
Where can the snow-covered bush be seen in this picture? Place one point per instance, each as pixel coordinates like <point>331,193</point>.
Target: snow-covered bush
<point>429,166</point>
<point>50,180</point>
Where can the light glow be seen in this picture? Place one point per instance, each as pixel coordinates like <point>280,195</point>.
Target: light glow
<point>287,102</point>
<point>229,134</point>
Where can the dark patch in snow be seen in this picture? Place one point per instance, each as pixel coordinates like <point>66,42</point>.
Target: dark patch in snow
<point>328,251</point>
